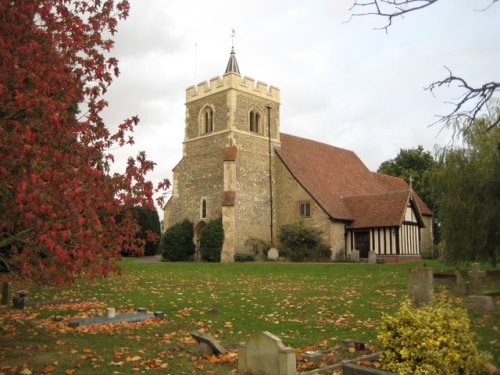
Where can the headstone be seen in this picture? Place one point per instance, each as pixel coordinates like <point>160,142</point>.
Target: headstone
<point>476,274</point>
<point>458,287</point>
<point>348,343</point>
<point>265,354</point>
<point>110,312</point>
<point>372,257</point>
<point>159,314</point>
<point>354,255</point>
<point>213,345</point>
<point>313,357</point>
<point>20,300</point>
<point>273,254</point>
<point>6,293</point>
<point>480,304</point>
<point>420,285</point>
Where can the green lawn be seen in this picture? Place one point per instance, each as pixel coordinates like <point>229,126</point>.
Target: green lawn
<point>307,305</point>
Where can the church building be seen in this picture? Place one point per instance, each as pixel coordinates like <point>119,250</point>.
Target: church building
<point>238,166</point>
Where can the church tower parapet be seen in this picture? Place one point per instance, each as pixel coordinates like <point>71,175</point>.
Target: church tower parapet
<point>232,81</point>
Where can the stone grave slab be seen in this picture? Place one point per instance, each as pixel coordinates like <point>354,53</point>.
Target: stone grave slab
<point>213,345</point>
<point>265,354</point>
<point>372,257</point>
<point>132,317</point>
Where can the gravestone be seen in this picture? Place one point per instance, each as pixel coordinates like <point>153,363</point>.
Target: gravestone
<point>265,354</point>
<point>6,293</point>
<point>458,287</point>
<point>480,304</point>
<point>208,344</point>
<point>476,274</point>
<point>313,357</point>
<point>110,312</point>
<point>273,254</point>
<point>372,257</point>
<point>354,255</point>
<point>420,285</point>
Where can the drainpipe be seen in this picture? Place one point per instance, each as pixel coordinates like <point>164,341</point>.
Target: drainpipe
<point>269,106</point>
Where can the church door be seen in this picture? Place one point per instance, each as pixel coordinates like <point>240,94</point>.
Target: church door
<point>362,243</point>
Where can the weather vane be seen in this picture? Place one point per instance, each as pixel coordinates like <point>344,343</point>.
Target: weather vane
<point>233,33</point>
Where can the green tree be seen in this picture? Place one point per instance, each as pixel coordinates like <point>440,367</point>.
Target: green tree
<point>419,167</point>
<point>469,204</point>
<point>211,241</point>
<point>150,229</point>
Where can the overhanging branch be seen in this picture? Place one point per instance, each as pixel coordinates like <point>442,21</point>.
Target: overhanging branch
<point>469,105</point>
<point>388,9</point>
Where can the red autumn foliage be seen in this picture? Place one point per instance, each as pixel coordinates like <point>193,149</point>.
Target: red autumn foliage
<point>58,199</point>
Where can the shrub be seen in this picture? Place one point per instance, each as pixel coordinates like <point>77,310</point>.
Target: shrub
<point>177,242</point>
<point>211,241</point>
<point>257,247</point>
<point>432,339</point>
<point>300,242</point>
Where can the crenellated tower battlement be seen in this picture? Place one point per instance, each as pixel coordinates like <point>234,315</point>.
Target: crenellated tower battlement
<point>232,81</point>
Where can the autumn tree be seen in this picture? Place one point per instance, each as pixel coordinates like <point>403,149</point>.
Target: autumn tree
<point>469,204</point>
<point>473,99</point>
<point>417,167</point>
<point>149,230</point>
<point>58,199</point>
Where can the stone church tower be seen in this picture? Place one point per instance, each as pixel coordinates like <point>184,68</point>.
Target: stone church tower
<point>227,168</point>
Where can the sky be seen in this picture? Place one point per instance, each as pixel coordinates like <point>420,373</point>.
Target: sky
<point>341,83</point>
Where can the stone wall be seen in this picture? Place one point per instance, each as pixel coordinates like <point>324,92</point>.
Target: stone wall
<point>253,213</point>
<point>289,194</point>
<point>193,109</point>
<point>200,175</point>
<point>337,239</point>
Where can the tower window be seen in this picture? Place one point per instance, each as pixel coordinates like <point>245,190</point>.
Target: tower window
<point>254,121</point>
<point>203,209</point>
<point>305,209</point>
<point>207,121</point>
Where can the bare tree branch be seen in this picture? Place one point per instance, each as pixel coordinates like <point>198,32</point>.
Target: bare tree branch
<point>473,100</point>
<point>470,104</point>
<point>487,7</point>
<point>388,8</point>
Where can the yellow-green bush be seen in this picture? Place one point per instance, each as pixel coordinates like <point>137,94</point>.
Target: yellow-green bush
<point>432,339</point>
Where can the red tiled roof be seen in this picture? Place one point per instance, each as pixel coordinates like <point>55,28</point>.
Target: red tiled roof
<point>331,174</point>
<point>378,210</point>
<point>396,183</point>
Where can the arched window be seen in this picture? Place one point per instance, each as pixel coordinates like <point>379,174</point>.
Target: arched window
<point>207,120</point>
<point>203,209</point>
<point>254,121</point>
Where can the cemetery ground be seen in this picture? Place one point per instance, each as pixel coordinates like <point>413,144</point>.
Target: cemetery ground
<point>309,306</point>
